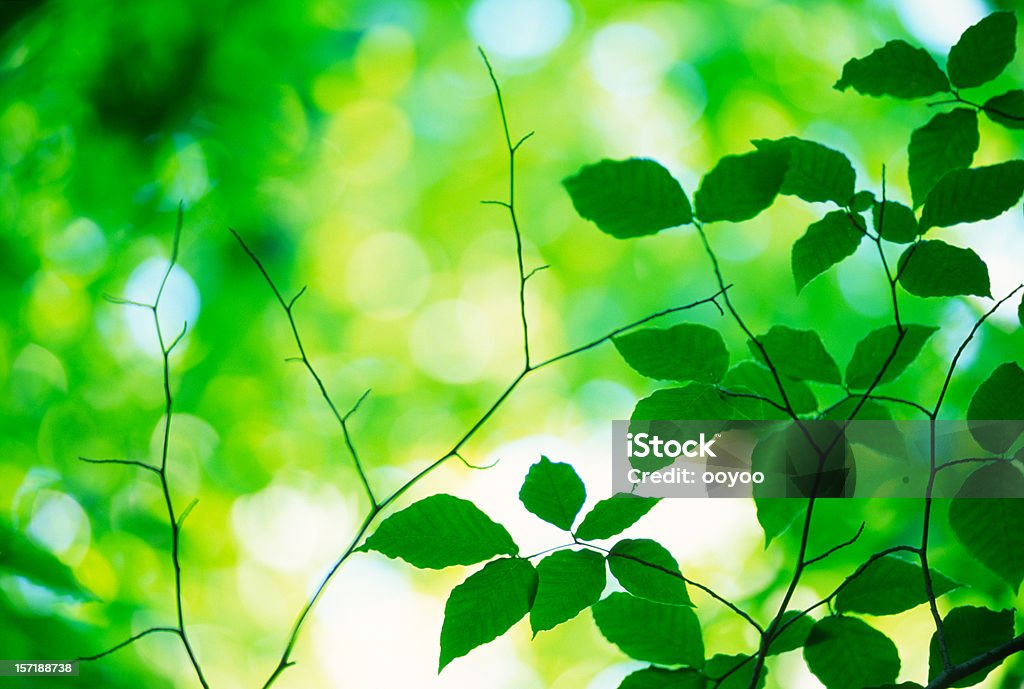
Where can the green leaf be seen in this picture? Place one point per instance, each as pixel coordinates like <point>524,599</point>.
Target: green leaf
<point>862,201</point>
<point>847,653</point>
<point>983,50</point>
<point>798,354</point>
<point>740,186</point>
<point>485,606</point>
<point>874,351</point>
<point>815,172</point>
<point>687,351</point>
<point>999,398</point>
<point>755,378</point>
<point>569,581</point>
<point>776,515</point>
<point>886,438</point>
<point>897,224</point>
<point>612,516</point>
<point>441,531</point>
<point>969,632</point>
<point>647,570</point>
<point>553,492</point>
<point>973,194</point>
<point>933,268</point>
<point>719,665</point>
<point>628,198</point>
<point>660,678</point>
<point>693,401</point>
<point>649,631</point>
<point>823,245</point>
<point>794,636</point>
<point>992,529</point>
<point>1007,109</point>
<point>1020,312</point>
<point>948,142</point>
<point>22,556</point>
<point>896,69</point>
<point>890,585</point>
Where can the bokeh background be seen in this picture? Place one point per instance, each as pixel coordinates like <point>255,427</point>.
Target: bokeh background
<point>351,142</point>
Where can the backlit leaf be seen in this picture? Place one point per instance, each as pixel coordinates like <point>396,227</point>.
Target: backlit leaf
<point>649,631</point>
<point>553,492</point>
<point>647,570</point>
<point>740,186</point>
<point>890,585</point>
<point>612,516</point>
<point>983,50</point>
<point>824,244</point>
<point>974,194</point>
<point>569,581</point>
<point>22,556</point>
<point>660,678</point>
<point>815,172</point>
<point>847,653</point>
<point>721,665</point>
<point>933,268</point>
<point>798,354</point>
<point>896,69</point>
<point>1000,398</point>
<point>684,352</point>
<point>969,632</point>
<point>1007,109</point>
<point>628,198</point>
<point>948,142</point>
<point>794,635</point>
<point>875,350</point>
<point>896,224</point>
<point>752,376</point>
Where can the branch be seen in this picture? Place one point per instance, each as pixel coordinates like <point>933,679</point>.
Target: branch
<point>128,642</point>
<point>948,677</point>
<point>126,462</point>
<point>835,548</point>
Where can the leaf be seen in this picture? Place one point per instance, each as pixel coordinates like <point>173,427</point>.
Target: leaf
<point>660,678</point>
<point>862,201</point>
<point>1020,312</point>
<point>794,636</point>
<point>776,515</point>
<point>847,653</point>
<point>754,377</point>
<point>569,581</point>
<point>999,398</point>
<point>485,606</point>
<point>992,528</point>
<point>647,570</point>
<point>553,492</point>
<point>969,632</point>
<point>693,401</point>
<point>873,352</point>
<point>933,268</point>
<point>740,186</point>
<point>890,585</point>
<point>440,531</point>
<point>798,354</point>
<point>823,245</point>
<point>974,194</point>
<point>1007,109</point>
<point>896,69</point>
<point>815,172</point>
<point>884,436</point>
<point>983,50</point>
<point>628,198</point>
<point>948,142</point>
<point>612,516</point>
<point>720,664</point>
<point>649,631</point>
<point>898,224</point>
<point>684,352</point>
<point>22,556</point>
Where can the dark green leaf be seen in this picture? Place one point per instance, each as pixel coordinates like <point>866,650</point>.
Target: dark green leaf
<point>485,606</point>
<point>992,528</point>
<point>754,377</point>
<point>933,268</point>
<point>815,172</point>
<point>553,492</point>
<point>874,351</point>
<point>660,678</point>
<point>654,632</point>
<point>647,570</point>
<point>897,224</point>
<point>1007,109</point>
<point>687,351</point>
<point>612,516</point>
<point>862,201</point>
<point>896,69</point>
<point>628,198</point>
<point>776,515</point>
<point>999,398</point>
<point>890,585</point>
<point>983,50</point>
<point>441,531</point>
<point>740,186</point>
<point>798,354</point>
<point>24,557</point>
<point>1020,312</point>
<point>794,636</point>
<point>847,653</point>
<point>884,435</point>
<point>948,142</point>
<point>719,665</point>
<point>969,632</point>
<point>824,244</point>
<point>694,401</point>
<point>569,581</point>
<point>974,194</point>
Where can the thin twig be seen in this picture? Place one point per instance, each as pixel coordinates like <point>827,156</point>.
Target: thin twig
<point>838,547</point>
<point>129,641</point>
<point>126,462</point>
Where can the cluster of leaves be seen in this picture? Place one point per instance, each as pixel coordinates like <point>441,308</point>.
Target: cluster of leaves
<point>651,620</point>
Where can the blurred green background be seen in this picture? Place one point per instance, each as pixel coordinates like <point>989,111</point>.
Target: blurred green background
<point>350,143</point>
